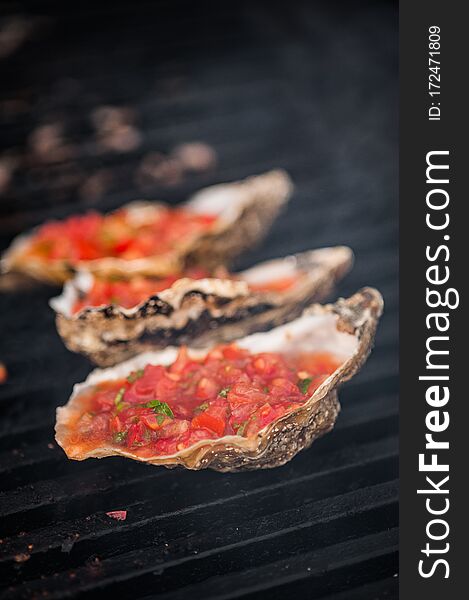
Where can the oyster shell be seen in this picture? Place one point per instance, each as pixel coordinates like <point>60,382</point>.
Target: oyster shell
<point>197,312</point>
<point>345,328</point>
<point>245,209</point>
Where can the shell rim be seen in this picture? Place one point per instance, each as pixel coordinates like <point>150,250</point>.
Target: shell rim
<point>328,257</point>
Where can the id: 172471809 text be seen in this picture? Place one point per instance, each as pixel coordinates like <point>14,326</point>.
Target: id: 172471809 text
<point>434,75</point>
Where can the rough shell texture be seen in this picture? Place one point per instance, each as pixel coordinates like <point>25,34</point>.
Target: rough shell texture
<point>245,209</point>
<point>346,328</point>
<point>197,311</point>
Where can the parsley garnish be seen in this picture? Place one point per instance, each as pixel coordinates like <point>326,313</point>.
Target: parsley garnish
<point>159,408</point>
<point>240,428</point>
<point>134,376</point>
<point>303,384</point>
<point>120,436</point>
<point>119,396</point>
<point>224,392</point>
<point>202,407</point>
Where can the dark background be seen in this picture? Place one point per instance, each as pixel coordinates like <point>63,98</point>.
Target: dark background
<point>308,86</point>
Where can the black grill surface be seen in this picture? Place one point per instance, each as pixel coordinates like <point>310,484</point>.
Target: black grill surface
<point>311,87</point>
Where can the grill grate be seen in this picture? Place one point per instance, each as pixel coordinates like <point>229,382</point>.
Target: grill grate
<point>307,86</point>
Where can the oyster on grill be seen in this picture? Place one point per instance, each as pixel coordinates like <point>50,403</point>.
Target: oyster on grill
<point>198,311</point>
<point>346,329</point>
<point>241,213</point>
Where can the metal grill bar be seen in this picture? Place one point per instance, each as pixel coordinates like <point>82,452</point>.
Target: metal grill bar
<point>33,456</point>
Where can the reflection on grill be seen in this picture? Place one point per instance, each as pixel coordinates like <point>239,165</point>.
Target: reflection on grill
<point>305,87</point>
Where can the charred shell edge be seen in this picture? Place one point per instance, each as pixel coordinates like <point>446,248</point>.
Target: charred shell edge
<point>196,310</point>
<point>247,209</point>
<point>281,440</point>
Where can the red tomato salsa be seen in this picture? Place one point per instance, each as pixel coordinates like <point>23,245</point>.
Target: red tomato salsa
<point>92,236</point>
<point>130,293</point>
<point>161,410</point>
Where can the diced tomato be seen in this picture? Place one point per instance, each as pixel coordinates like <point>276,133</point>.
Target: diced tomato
<point>116,424</point>
<point>174,376</point>
<point>144,387</point>
<point>154,421</point>
<point>268,365</point>
<point>214,355</point>
<point>166,388</point>
<point>208,421</point>
<point>136,434</point>
<point>104,400</point>
<point>197,435</point>
<point>241,413</point>
<point>262,417</point>
<point>152,374</point>
<point>207,388</point>
<point>233,352</point>
<point>284,387</point>
<point>243,392</point>
<point>122,245</point>
<point>166,446</point>
<point>132,435</point>
<point>86,250</point>
<point>235,375</point>
<point>175,428</point>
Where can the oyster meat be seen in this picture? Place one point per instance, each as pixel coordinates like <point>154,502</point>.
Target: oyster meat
<point>240,214</point>
<point>198,311</point>
<point>345,330</point>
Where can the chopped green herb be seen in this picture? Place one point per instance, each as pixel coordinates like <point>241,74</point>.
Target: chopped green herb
<point>160,419</point>
<point>134,376</point>
<point>120,436</point>
<point>266,389</point>
<point>224,392</point>
<point>160,408</point>
<point>119,396</point>
<point>240,428</point>
<point>303,384</point>
<point>201,407</point>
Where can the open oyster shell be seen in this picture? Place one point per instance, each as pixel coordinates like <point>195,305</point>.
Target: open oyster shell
<point>345,328</point>
<point>197,312</point>
<point>245,209</point>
